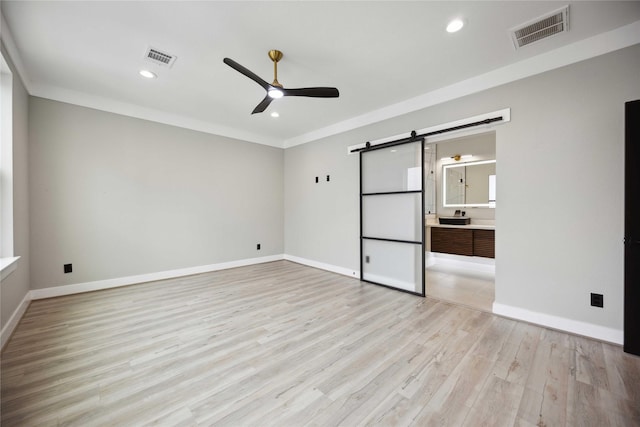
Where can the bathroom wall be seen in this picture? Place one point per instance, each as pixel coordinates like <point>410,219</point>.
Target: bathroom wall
<point>483,147</point>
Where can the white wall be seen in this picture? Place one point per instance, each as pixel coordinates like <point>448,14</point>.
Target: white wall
<point>118,196</point>
<point>560,166</point>
<point>14,288</point>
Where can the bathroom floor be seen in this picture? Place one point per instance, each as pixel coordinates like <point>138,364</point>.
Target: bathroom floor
<point>460,284</point>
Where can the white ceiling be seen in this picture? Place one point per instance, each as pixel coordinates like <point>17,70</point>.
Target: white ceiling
<point>378,54</point>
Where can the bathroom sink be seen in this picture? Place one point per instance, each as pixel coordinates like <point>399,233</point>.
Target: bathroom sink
<point>454,220</point>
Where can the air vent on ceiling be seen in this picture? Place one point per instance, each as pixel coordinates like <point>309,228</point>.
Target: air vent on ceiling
<point>159,58</point>
<point>540,28</point>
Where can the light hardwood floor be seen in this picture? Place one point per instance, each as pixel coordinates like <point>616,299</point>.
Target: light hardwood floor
<point>287,345</point>
<point>470,287</point>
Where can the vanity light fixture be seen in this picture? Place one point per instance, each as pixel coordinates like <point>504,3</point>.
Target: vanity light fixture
<point>148,74</point>
<point>458,157</point>
<point>455,25</point>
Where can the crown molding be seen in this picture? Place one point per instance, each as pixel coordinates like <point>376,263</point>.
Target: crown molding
<point>600,44</point>
<point>14,53</point>
<point>137,111</point>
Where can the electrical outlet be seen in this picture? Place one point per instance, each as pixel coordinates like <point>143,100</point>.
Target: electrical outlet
<point>328,179</point>
<point>366,259</point>
<point>68,268</point>
<point>597,300</point>
<point>258,246</point>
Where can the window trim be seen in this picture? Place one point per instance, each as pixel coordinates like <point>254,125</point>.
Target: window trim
<point>8,262</point>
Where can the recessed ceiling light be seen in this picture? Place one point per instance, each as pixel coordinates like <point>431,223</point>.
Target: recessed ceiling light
<point>275,114</point>
<point>147,74</point>
<point>455,25</point>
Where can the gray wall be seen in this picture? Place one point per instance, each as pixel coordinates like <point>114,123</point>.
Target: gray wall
<point>560,161</point>
<point>14,288</point>
<point>117,196</point>
<point>322,221</point>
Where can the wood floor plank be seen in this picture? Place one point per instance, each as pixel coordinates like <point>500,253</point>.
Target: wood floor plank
<point>548,381</point>
<point>623,373</point>
<point>590,364</point>
<point>516,356</point>
<point>287,345</point>
<point>428,377</point>
<point>453,400</point>
<point>497,404</point>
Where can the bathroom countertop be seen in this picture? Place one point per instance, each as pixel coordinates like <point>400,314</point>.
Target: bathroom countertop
<point>472,225</point>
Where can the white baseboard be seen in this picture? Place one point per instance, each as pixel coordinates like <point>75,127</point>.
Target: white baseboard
<point>14,319</point>
<point>323,266</point>
<point>573,326</point>
<point>602,333</point>
<point>57,291</point>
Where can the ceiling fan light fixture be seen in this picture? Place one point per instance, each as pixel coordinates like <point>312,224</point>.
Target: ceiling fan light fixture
<point>455,25</point>
<point>275,93</point>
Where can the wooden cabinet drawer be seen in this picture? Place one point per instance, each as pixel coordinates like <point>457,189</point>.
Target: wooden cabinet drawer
<point>484,243</point>
<point>463,241</point>
<point>457,241</point>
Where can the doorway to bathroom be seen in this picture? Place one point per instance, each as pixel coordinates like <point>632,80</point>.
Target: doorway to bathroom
<point>460,205</point>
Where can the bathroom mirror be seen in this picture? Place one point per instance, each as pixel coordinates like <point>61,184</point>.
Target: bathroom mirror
<point>471,184</point>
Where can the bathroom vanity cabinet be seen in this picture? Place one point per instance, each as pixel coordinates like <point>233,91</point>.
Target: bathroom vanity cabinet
<point>463,240</point>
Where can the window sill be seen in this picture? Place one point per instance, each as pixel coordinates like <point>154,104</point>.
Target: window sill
<point>7,265</point>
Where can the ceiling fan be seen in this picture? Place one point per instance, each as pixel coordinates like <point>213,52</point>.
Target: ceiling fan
<point>275,90</point>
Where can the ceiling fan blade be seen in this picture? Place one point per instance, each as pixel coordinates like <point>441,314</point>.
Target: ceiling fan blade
<point>263,105</point>
<point>253,76</point>
<point>314,92</point>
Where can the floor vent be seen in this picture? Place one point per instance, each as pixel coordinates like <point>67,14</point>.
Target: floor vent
<point>159,58</point>
<point>540,28</point>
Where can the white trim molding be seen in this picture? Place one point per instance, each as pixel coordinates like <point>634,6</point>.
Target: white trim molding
<point>581,50</point>
<point>13,321</point>
<point>14,53</point>
<point>7,265</point>
<point>555,322</point>
<point>323,266</point>
<point>603,333</point>
<point>152,114</point>
<point>591,47</point>
<point>56,291</point>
